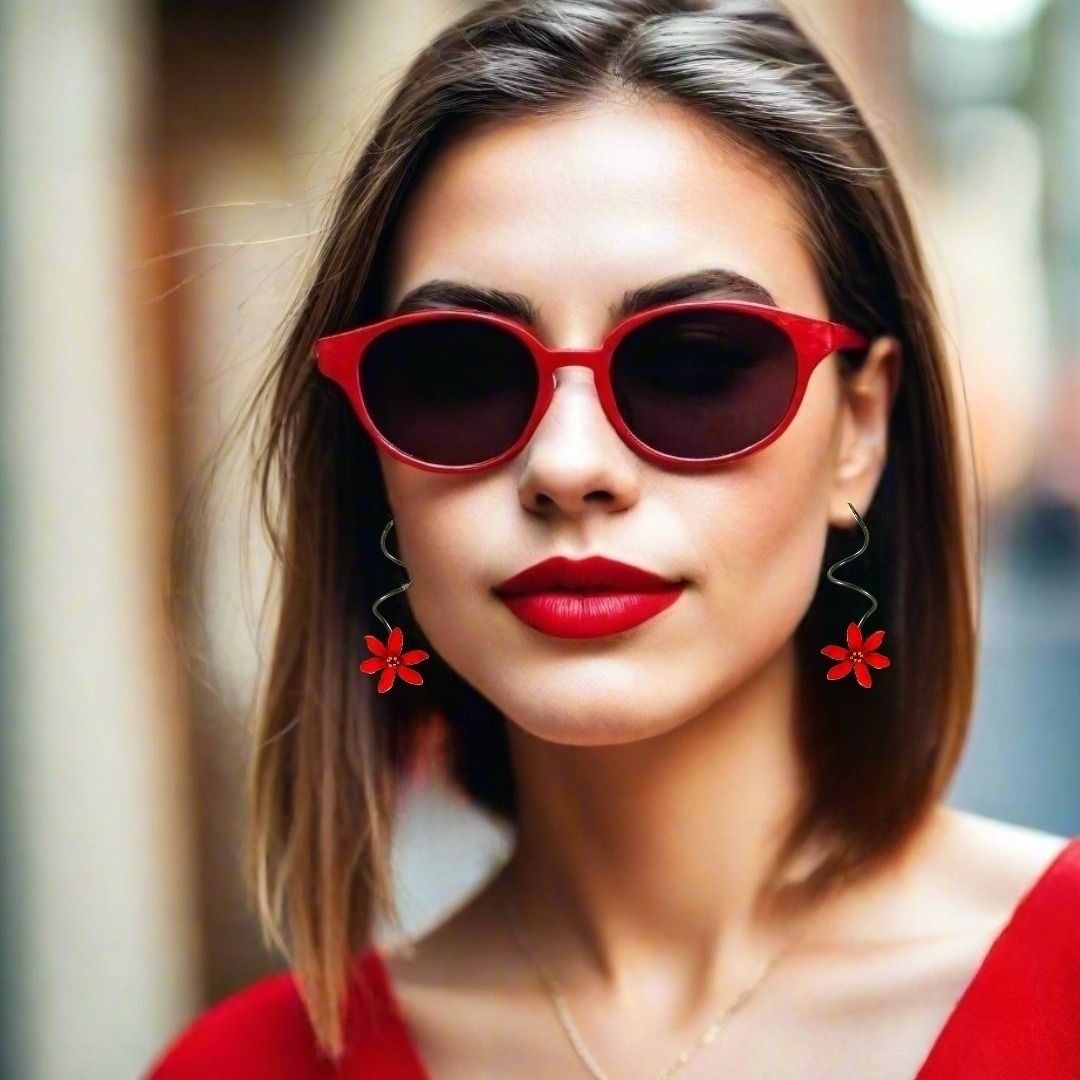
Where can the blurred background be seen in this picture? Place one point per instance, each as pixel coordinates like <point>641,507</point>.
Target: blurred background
<point>163,168</point>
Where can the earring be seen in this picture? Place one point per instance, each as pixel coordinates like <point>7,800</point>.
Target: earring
<point>858,655</point>
<point>388,658</point>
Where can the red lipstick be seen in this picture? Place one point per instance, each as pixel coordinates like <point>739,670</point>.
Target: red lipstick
<point>584,598</point>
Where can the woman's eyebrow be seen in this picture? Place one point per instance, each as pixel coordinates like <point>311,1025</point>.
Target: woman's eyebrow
<point>442,293</point>
<point>726,284</point>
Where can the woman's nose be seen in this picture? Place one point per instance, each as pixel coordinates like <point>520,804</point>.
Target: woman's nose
<point>575,458</point>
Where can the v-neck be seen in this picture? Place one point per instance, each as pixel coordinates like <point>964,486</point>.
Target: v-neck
<point>993,959</point>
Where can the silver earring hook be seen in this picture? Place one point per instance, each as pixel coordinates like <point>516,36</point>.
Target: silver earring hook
<point>392,592</point>
<point>848,558</point>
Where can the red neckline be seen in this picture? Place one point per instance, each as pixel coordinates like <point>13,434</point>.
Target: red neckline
<point>993,954</point>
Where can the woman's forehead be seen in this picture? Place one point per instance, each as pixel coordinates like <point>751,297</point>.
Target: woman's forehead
<point>595,201</point>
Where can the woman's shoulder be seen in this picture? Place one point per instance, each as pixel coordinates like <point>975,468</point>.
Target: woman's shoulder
<point>1052,896</point>
<point>1003,859</point>
<point>1032,878</point>
<point>964,875</point>
<point>1017,1015</point>
<point>263,1030</point>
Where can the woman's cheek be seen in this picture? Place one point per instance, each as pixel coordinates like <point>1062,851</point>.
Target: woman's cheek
<point>759,571</point>
<point>448,591</point>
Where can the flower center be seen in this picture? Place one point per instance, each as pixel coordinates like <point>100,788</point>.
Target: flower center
<point>856,656</point>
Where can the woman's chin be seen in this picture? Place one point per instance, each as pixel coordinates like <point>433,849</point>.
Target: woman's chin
<point>601,716</point>
<point>590,729</point>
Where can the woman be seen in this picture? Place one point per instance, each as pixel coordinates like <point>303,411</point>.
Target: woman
<point>732,853</point>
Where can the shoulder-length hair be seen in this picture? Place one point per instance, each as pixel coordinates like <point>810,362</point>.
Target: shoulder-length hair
<point>330,755</point>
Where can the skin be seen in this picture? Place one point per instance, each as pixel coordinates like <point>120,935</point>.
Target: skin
<point>655,767</point>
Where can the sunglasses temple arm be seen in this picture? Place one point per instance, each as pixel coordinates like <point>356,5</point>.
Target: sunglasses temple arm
<point>844,337</point>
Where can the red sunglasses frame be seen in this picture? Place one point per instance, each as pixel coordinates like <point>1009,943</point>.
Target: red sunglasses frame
<point>340,356</point>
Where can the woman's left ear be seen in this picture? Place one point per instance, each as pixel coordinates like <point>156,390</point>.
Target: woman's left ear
<point>868,396</point>
<point>892,351</point>
<point>883,364</point>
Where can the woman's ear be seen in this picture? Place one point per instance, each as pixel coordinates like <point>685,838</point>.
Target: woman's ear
<point>867,399</point>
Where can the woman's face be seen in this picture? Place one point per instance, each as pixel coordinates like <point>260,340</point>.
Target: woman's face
<point>571,211</point>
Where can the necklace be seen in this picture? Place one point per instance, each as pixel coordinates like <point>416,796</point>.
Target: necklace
<point>523,941</point>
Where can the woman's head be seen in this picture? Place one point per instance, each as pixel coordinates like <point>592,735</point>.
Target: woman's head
<point>571,210</point>
<point>569,151</point>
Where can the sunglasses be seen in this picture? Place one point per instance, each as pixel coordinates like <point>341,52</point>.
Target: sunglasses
<point>687,384</point>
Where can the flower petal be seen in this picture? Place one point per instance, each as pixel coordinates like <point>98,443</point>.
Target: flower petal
<point>376,663</point>
<point>854,637</point>
<point>413,656</point>
<point>835,652</point>
<point>395,641</point>
<point>410,676</point>
<point>838,671</point>
<point>375,645</point>
<point>862,673</point>
<point>876,659</point>
<point>386,679</point>
<point>873,641</point>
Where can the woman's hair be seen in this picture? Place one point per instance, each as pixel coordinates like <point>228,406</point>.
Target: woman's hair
<point>331,755</point>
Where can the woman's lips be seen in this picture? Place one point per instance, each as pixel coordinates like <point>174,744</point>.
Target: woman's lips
<point>584,598</point>
<point>574,614</point>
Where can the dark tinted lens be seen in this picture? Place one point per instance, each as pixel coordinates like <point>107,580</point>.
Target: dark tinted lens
<point>699,384</point>
<point>449,391</point>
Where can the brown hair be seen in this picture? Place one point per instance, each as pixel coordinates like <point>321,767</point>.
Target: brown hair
<point>330,754</point>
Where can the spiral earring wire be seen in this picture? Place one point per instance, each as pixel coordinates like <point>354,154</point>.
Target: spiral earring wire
<point>392,592</point>
<point>847,558</point>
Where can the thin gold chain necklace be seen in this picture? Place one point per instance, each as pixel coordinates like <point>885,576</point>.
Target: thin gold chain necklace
<point>524,942</point>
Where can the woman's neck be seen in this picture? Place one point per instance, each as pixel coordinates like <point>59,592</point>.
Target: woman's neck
<point>656,850</point>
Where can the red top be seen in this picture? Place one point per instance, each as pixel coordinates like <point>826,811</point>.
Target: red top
<point>1018,1017</point>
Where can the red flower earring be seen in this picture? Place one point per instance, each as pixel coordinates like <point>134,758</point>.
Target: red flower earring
<point>388,658</point>
<point>859,655</point>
